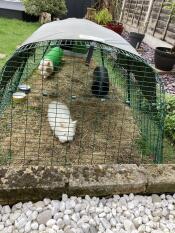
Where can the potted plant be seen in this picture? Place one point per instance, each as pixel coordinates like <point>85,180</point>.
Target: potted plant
<point>116,27</point>
<point>104,17</point>
<point>115,6</point>
<point>164,58</point>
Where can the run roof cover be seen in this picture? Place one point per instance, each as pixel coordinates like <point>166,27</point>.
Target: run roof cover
<point>79,29</point>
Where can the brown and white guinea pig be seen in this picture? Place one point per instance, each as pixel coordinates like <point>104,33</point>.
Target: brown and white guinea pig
<point>46,68</point>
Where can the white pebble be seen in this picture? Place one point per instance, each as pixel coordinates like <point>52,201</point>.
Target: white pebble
<point>142,229</point>
<point>66,219</point>
<point>105,223</point>
<point>42,227</point>
<point>75,217</point>
<point>108,231</point>
<point>137,221</point>
<point>131,205</point>
<point>44,216</point>
<point>51,222</point>
<point>7,223</point>
<point>127,214</point>
<point>34,225</point>
<point>56,228</point>
<point>5,217</point>
<point>102,215</point>
<point>50,230</point>
<point>46,201</point>
<point>62,206</point>
<point>68,212</point>
<point>85,227</point>
<point>21,222</point>
<point>1,226</point>
<point>128,225</point>
<point>8,229</point>
<point>6,209</point>
<point>113,222</point>
<point>60,223</point>
<point>27,227</point>
<point>14,216</point>
<point>34,215</point>
<point>18,205</point>
<point>170,207</point>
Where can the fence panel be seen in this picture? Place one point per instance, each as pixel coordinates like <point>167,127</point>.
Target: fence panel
<point>77,8</point>
<point>161,24</point>
<point>135,12</point>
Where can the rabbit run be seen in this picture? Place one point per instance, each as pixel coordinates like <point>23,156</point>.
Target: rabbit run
<point>50,62</point>
<point>61,122</point>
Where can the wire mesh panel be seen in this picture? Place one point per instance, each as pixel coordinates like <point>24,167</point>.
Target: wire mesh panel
<point>86,103</point>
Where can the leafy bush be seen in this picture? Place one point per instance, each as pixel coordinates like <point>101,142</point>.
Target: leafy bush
<point>54,7</point>
<point>103,17</point>
<point>170,5</point>
<point>170,117</point>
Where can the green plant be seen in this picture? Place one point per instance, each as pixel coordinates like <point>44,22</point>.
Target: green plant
<point>170,5</point>
<point>103,16</point>
<point>54,7</point>
<point>114,6</point>
<point>170,117</point>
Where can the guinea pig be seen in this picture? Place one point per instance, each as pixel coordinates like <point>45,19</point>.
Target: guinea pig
<point>100,84</point>
<point>46,68</point>
<point>61,122</point>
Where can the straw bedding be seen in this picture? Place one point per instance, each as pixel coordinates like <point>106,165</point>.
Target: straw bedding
<point>105,133</point>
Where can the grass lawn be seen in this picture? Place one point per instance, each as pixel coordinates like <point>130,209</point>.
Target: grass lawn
<point>12,33</point>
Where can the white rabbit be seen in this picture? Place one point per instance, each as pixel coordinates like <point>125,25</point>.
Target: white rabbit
<point>46,68</point>
<point>61,122</point>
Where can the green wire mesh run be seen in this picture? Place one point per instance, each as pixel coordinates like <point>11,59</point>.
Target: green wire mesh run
<point>124,123</point>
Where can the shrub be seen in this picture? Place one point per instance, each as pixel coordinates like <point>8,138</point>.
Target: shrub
<point>170,117</point>
<point>56,8</point>
<point>103,16</point>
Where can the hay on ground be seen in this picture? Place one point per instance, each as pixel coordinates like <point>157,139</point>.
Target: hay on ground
<point>106,131</point>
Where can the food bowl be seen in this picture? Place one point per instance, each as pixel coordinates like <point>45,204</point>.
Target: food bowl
<point>19,97</point>
<point>24,88</point>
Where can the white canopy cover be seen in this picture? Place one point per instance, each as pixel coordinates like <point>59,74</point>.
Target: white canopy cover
<point>79,29</point>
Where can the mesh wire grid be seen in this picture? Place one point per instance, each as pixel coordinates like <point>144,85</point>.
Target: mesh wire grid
<point>115,98</point>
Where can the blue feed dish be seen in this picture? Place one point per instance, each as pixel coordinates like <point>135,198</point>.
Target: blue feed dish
<point>24,88</point>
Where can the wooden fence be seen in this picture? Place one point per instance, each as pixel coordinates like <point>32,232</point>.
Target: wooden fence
<point>151,17</point>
